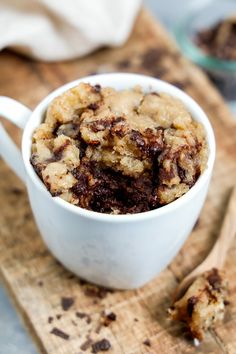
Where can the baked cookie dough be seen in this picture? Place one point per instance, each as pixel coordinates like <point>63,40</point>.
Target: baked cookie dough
<point>118,152</point>
<point>203,304</point>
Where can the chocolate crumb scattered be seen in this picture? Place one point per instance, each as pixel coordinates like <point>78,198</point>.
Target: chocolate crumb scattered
<point>136,320</point>
<point>50,319</point>
<point>58,316</point>
<point>59,333</point>
<point>74,323</point>
<point>147,342</point>
<point>84,315</point>
<point>111,316</point>
<point>101,346</point>
<point>87,344</point>
<point>96,291</point>
<point>40,283</point>
<point>107,318</point>
<point>67,302</point>
<point>81,314</point>
<point>226,302</point>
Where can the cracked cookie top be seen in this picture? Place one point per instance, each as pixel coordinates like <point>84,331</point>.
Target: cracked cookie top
<point>118,152</point>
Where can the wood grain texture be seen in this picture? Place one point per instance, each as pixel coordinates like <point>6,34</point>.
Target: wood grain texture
<point>37,282</point>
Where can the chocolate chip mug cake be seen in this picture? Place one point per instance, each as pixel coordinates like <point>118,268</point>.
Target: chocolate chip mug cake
<point>118,152</point>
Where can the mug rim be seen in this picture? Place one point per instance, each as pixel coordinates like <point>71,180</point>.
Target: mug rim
<point>196,112</point>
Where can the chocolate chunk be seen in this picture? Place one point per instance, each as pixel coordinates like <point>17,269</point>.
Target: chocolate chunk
<point>111,316</point>
<point>81,314</point>
<point>107,318</point>
<point>147,342</point>
<point>67,302</point>
<point>59,333</point>
<point>101,346</point>
<point>190,305</point>
<point>84,315</point>
<point>50,319</point>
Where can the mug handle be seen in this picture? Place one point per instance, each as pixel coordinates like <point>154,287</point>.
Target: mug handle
<point>18,114</point>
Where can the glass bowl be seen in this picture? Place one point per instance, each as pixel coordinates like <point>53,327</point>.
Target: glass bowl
<point>203,15</point>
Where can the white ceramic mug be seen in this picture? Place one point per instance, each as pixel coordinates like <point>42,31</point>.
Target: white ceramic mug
<point>119,251</point>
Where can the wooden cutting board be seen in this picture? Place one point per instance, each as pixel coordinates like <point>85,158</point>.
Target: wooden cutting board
<point>64,314</point>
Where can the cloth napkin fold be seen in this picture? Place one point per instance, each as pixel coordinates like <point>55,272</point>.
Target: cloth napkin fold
<point>53,30</point>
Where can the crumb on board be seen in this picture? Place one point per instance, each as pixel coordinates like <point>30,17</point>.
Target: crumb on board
<point>203,304</point>
<point>67,302</point>
<point>59,333</point>
<point>102,345</point>
<point>147,342</point>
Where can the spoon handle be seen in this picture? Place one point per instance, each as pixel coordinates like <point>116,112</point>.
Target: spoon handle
<point>216,258</point>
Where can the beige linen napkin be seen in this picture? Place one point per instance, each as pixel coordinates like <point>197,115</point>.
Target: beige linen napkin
<point>64,29</point>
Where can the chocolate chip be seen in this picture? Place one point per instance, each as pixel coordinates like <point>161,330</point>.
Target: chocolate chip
<point>147,342</point>
<point>59,333</point>
<point>101,346</point>
<point>81,314</point>
<point>67,302</point>
<point>111,316</point>
<point>50,319</point>
<point>107,318</point>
